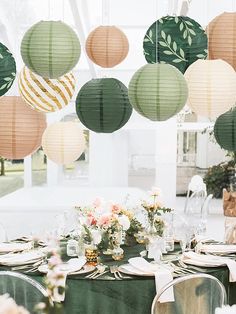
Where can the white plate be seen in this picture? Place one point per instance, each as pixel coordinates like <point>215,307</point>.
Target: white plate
<point>84,270</point>
<point>201,264</point>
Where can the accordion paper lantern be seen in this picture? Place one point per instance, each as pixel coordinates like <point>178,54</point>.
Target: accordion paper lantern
<point>7,69</point>
<point>50,49</point>
<point>158,91</point>
<point>63,142</point>
<point>103,106</point>
<point>212,87</point>
<point>107,46</point>
<point>221,38</point>
<point>225,130</point>
<point>176,40</point>
<point>43,94</point>
<point>21,128</point>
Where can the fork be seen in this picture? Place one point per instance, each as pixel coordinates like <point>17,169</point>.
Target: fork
<point>114,271</point>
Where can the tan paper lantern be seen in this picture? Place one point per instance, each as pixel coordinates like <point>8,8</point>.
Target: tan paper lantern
<point>63,142</point>
<point>21,128</point>
<point>44,94</point>
<point>107,46</point>
<point>212,87</point>
<point>222,39</point>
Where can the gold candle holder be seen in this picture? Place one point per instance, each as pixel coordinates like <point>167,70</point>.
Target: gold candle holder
<point>91,255</point>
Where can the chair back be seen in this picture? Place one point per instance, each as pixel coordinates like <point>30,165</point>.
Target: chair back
<point>23,289</point>
<point>197,293</point>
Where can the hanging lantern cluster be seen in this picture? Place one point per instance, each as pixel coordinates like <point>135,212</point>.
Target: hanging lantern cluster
<point>107,46</point>
<point>225,130</point>
<point>212,87</point>
<point>43,94</point>
<point>222,41</point>
<point>102,105</point>
<point>21,128</point>
<point>50,49</point>
<point>158,91</point>
<point>176,40</point>
<point>63,142</point>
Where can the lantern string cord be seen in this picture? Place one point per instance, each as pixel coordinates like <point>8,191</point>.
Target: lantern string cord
<point>157,32</point>
<point>63,10</point>
<point>105,12</point>
<point>49,9</point>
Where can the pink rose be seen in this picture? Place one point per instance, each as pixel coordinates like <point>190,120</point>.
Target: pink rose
<point>104,220</point>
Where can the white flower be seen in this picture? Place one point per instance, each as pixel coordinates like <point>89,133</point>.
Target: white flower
<point>96,235</point>
<point>9,306</point>
<point>226,310</point>
<point>155,191</point>
<point>124,222</point>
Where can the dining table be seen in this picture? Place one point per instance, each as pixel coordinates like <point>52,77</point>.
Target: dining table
<point>132,295</point>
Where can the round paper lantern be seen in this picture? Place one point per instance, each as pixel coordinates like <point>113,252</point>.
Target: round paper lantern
<point>7,69</point>
<point>102,105</point>
<point>50,48</point>
<point>176,40</point>
<point>158,91</point>
<point>21,128</point>
<point>222,41</point>
<point>212,87</point>
<point>107,46</point>
<point>63,142</point>
<point>225,130</point>
<point>43,94</point>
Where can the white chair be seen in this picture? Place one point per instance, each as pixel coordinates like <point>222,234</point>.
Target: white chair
<point>195,294</point>
<point>196,195</point>
<point>23,289</point>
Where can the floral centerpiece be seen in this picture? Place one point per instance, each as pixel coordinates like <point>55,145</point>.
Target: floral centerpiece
<point>104,224</point>
<point>155,209</point>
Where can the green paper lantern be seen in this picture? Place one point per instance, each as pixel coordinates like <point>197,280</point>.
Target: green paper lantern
<point>176,40</point>
<point>50,49</point>
<point>225,130</point>
<point>102,105</point>
<point>158,91</point>
<point>7,69</point>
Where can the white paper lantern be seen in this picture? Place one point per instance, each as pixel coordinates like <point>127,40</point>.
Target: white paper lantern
<point>212,87</point>
<point>63,142</point>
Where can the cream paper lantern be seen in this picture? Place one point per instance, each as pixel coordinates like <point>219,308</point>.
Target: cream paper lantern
<point>212,87</point>
<point>63,142</point>
<point>44,94</point>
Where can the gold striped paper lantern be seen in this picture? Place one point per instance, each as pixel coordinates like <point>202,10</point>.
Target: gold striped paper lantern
<point>21,128</point>
<point>43,94</point>
<point>107,46</point>
<point>212,87</point>
<point>221,38</point>
<point>63,142</point>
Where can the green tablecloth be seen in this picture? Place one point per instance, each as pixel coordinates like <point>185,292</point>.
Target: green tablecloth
<point>128,296</point>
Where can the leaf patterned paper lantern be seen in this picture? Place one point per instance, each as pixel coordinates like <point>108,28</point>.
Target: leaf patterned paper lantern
<point>63,142</point>
<point>176,40</point>
<point>43,94</point>
<point>158,91</point>
<point>50,49</point>
<point>103,106</point>
<point>21,128</point>
<point>107,46</point>
<point>225,130</point>
<point>222,41</point>
<point>212,87</point>
<point>7,69</point>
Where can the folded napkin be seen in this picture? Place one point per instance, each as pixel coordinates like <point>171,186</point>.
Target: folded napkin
<point>73,265</point>
<point>218,248</point>
<point>162,276</point>
<point>211,261</point>
<point>14,247</point>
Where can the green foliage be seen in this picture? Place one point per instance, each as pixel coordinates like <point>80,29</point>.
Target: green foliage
<point>218,177</point>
